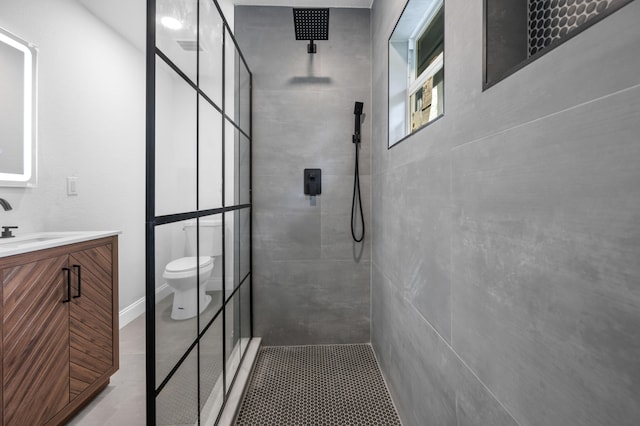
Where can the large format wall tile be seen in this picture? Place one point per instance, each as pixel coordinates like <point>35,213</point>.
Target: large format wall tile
<point>337,242</point>
<point>429,383</point>
<point>282,193</point>
<point>521,252</point>
<point>286,236</point>
<point>545,253</point>
<point>312,302</point>
<point>280,62</point>
<point>412,244</point>
<point>601,60</point>
<point>416,363</point>
<point>309,128</point>
<point>311,281</point>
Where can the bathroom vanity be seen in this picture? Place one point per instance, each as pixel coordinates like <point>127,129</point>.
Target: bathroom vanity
<point>59,336</point>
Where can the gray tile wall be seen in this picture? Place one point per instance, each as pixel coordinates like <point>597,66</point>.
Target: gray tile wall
<point>506,280</point>
<point>311,282</point>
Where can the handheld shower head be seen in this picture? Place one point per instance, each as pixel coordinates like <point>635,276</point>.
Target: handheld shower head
<point>357,110</point>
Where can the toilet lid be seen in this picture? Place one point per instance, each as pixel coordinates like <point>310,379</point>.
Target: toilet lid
<point>187,264</point>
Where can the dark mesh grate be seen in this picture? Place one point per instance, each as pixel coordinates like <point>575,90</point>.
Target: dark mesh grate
<point>311,24</point>
<point>317,385</point>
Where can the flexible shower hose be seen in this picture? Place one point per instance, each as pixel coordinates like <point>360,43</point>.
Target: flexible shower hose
<point>356,189</point>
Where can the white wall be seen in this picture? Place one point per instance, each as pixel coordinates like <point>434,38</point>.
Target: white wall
<point>91,125</point>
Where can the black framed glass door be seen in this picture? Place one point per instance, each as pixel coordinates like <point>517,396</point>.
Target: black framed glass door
<point>198,211</point>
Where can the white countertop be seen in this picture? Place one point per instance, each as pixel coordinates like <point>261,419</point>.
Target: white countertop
<point>44,240</point>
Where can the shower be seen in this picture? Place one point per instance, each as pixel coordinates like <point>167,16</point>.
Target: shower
<point>311,24</point>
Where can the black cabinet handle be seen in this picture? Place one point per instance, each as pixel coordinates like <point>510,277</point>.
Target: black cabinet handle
<point>68,271</point>
<point>78,268</point>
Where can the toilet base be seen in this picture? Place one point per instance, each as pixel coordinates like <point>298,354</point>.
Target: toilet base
<point>185,306</point>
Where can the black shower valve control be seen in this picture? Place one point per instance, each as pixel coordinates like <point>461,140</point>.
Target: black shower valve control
<point>312,182</point>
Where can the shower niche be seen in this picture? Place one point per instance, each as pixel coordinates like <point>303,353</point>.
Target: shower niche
<point>517,32</point>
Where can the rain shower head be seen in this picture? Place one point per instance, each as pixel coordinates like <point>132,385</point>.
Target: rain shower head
<point>311,24</point>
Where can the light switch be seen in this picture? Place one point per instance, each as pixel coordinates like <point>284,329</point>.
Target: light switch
<point>72,185</point>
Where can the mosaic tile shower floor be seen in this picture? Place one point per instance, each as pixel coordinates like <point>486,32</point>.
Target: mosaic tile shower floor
<point>317,385</point>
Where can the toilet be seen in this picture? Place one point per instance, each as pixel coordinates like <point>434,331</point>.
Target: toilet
<point>180,274</point>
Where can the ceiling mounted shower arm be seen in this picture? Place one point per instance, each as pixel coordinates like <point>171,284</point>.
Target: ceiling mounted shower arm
<point>311,25</point>
<point>311,47</point>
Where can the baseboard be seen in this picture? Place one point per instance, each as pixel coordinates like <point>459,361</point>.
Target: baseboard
<point>137,308</point>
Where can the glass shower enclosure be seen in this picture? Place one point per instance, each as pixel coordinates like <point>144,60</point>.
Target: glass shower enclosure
<point>198,211</point>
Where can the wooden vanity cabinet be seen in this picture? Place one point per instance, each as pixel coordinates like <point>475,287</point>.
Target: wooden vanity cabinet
<point>59,342</point>
<point>35,348</point>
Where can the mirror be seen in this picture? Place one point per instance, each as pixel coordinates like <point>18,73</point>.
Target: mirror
<point>17,111</point>
<point>416,68</point>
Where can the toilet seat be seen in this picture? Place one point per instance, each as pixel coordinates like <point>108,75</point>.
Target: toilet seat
<point>186,266</point>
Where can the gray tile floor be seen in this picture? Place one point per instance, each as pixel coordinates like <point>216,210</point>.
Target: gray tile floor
<point>323,385</point>
<point>122,403</point>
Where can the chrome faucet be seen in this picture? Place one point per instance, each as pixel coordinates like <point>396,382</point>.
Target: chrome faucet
<point>5,204</point>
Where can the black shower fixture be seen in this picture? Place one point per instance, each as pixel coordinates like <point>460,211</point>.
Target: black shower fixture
<point>357,111</point>
<point>311,24</point>
<point>356,201</point>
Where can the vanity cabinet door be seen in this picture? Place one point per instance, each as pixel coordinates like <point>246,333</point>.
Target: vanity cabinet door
<point>35,341</point>
<point>91,318</point>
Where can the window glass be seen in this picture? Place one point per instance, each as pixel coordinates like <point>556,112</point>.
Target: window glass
<point>431,43</point>
<point>416,68</point>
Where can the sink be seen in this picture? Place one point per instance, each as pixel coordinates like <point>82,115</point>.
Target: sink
<point>21,241</point>
<point>26,240</point>
<point>43,240</point>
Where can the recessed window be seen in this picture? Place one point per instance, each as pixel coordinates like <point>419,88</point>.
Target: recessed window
<point>519,31</point>
<point>416,68</point>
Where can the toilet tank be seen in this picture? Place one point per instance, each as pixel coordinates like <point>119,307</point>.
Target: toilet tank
<point>210,237</point>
